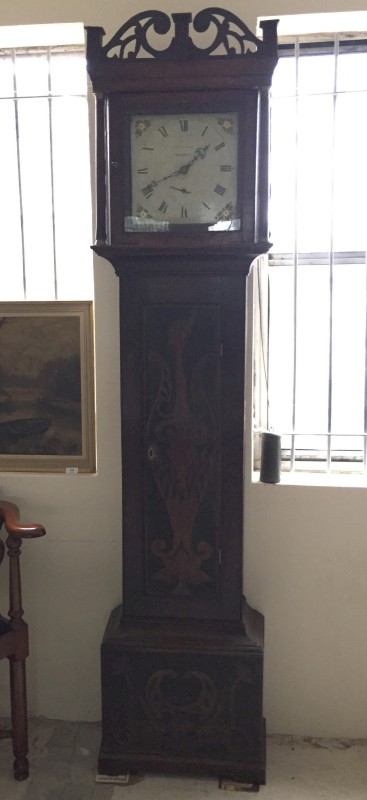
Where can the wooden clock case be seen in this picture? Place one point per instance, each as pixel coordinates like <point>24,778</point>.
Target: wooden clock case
<point>182,658</point>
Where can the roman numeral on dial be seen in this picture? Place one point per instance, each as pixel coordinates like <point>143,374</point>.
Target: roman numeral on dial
<point>163,131</point>
<point>226,168</point>
<point>184,125</point>
<point>220,189</point>
<point>163,207</point>
<point>148,190</point>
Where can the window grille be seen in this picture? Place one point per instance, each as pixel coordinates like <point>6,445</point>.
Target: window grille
<point>45,204</point>
<point>314,283</point>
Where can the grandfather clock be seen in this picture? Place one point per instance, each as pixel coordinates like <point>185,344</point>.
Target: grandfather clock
<point>182,191</point>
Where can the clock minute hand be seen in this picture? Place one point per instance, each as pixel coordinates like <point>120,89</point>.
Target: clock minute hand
<point>200,153</point>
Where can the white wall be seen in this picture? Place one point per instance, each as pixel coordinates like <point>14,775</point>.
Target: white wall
<point>305,547</point>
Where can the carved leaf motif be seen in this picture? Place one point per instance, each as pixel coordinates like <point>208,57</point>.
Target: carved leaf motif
<point>168,691</point>
<point>132,37</point>
<point>183,456</point>
<point>231,32</point>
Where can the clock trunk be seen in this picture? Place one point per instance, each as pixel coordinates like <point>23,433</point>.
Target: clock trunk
<point>182,366</point>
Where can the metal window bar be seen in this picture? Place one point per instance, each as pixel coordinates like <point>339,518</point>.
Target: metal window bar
<point>340,257</point>
<point>295,260</point>
<point>52,170</point>
<point>337,454</point>
<point>20,192</point>
<point>331,258</point>
<point>365,378</point>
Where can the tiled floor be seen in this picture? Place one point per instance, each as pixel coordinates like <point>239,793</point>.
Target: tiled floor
<point>63,757</point>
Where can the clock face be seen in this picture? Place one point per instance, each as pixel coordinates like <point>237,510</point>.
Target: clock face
<point>184,171</point>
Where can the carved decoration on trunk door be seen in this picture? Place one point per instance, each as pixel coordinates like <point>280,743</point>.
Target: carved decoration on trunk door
<point>183,451</point>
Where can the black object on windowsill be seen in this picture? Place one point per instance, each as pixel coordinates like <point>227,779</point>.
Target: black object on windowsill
<point>270,457</point>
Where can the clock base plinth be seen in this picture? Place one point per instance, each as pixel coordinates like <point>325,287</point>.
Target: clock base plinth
<point>182,697</point>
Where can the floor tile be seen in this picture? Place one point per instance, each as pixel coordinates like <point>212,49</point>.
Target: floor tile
<point>64,756</point>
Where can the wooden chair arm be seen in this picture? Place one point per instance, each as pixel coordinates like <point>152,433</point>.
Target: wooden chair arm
<point>9,515</point>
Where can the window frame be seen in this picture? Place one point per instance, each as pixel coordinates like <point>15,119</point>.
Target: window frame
<point>59,223</point>
<point>293,461</point>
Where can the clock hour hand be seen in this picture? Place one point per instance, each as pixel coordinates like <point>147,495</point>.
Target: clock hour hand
<point>177,189</point>
<point>200,153</point>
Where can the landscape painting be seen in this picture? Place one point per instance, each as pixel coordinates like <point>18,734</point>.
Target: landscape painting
<point>46,387</point>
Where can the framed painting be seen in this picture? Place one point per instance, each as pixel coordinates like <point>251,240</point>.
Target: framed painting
<point>47,420</point>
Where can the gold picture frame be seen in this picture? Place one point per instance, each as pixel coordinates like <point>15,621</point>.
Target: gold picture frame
<point>47,415</point>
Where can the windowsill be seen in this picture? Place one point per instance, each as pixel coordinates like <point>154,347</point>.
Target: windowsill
<point>340,479</point>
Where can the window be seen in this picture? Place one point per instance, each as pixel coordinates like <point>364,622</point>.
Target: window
<point>45,204</point>
<point>313,287</point>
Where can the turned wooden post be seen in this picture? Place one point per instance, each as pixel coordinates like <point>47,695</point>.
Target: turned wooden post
<point>14,642</point>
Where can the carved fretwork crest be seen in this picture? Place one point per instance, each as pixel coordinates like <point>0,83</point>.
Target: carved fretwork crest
<point>153,34</point>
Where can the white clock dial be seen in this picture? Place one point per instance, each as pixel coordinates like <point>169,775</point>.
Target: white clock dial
<point>184,168</point>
